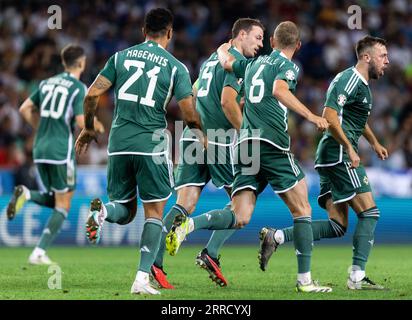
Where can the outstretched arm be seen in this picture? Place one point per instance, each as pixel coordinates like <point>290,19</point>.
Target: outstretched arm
<point>98,87</point>
<point>282,93</point>
<point>374,143</point>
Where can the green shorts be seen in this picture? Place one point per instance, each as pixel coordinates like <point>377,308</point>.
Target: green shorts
<point>278,168</point>
<point>341,183</point>
<point>58,178</point>
<point>153,176</point>
<point>197,166</point>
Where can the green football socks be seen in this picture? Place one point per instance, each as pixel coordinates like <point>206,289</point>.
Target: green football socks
<point>149,243</point>
<point>321,229</point>
<point>43,198</point>
<point>116,213</point>
<point>215,220</point>
<point>363,237</point>
<point>217,240</point>
<point>52,228</point>
<point>303,239</point>
<point>167,225</point>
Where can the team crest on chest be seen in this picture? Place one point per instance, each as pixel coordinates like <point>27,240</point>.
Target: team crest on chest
<point>341,100</point>
<point>290,75</point>
<point>365,180</point>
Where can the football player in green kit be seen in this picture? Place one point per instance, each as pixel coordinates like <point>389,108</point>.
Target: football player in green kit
<point>270,82</point>
<point>218,94</point>
<point>343,180</point>
<point>53,110</point>
<point>144,77</point>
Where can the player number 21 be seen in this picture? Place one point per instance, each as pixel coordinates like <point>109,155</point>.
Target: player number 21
<point>151,74</point>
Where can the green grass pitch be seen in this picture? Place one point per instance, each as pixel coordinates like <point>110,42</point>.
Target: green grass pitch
<point>107,273</point>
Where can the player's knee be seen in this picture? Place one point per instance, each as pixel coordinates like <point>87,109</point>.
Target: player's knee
<point>307,209</point>
<point>130,218</point>
<point>338,227</point>
<point>132,210</point>
<point>63,211</point>
<point>302,210</point>
<point>62,205</point>
<point>62,201</point>
<point>242,222</point>
<point>190,208</point>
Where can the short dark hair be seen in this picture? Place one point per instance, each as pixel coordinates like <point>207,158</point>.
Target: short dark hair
<point>286,34</point>
<point>157,22</point>
<point>70,54</point>
<point>245,24</point>
<point>366,43</point>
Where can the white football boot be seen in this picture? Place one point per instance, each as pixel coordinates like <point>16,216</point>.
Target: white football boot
<point>141,284</point>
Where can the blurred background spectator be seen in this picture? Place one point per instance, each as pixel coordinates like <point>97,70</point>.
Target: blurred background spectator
<point>29,52</point>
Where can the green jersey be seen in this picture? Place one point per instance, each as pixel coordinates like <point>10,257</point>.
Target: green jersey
<point>60,100</point>
<point>212,79</point>
<point>264,117</point>
<point>144,77</point>
<point>350,96</point>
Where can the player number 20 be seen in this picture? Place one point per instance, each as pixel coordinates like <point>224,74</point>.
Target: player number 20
<point>55,108</point>
<point>147,100</point>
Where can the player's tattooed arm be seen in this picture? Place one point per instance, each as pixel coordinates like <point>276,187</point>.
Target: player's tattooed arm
<point>374,143</point>
<point>98,87</point>
<point>98,126</point>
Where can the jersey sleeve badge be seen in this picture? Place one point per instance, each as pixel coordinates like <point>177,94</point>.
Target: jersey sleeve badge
<point>290,75</point>
<point>341,100</point>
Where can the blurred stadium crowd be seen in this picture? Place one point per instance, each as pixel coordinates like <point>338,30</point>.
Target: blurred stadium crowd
<point>29,52</point>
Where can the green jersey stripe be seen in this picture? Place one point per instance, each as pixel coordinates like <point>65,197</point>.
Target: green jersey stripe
<point>263,139</point>
<point>169,93</point>
<point>69,115</point>
<point>350,82</point>
<point>137,153</point>
<point>353,85</point>
<point>115,60</point>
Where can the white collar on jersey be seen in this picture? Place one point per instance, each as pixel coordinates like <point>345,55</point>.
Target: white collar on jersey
<point>283,55</point>
<point>360,76</point>
<point>158,44</point>
<point>71,74</point>
<point>236,49</point>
